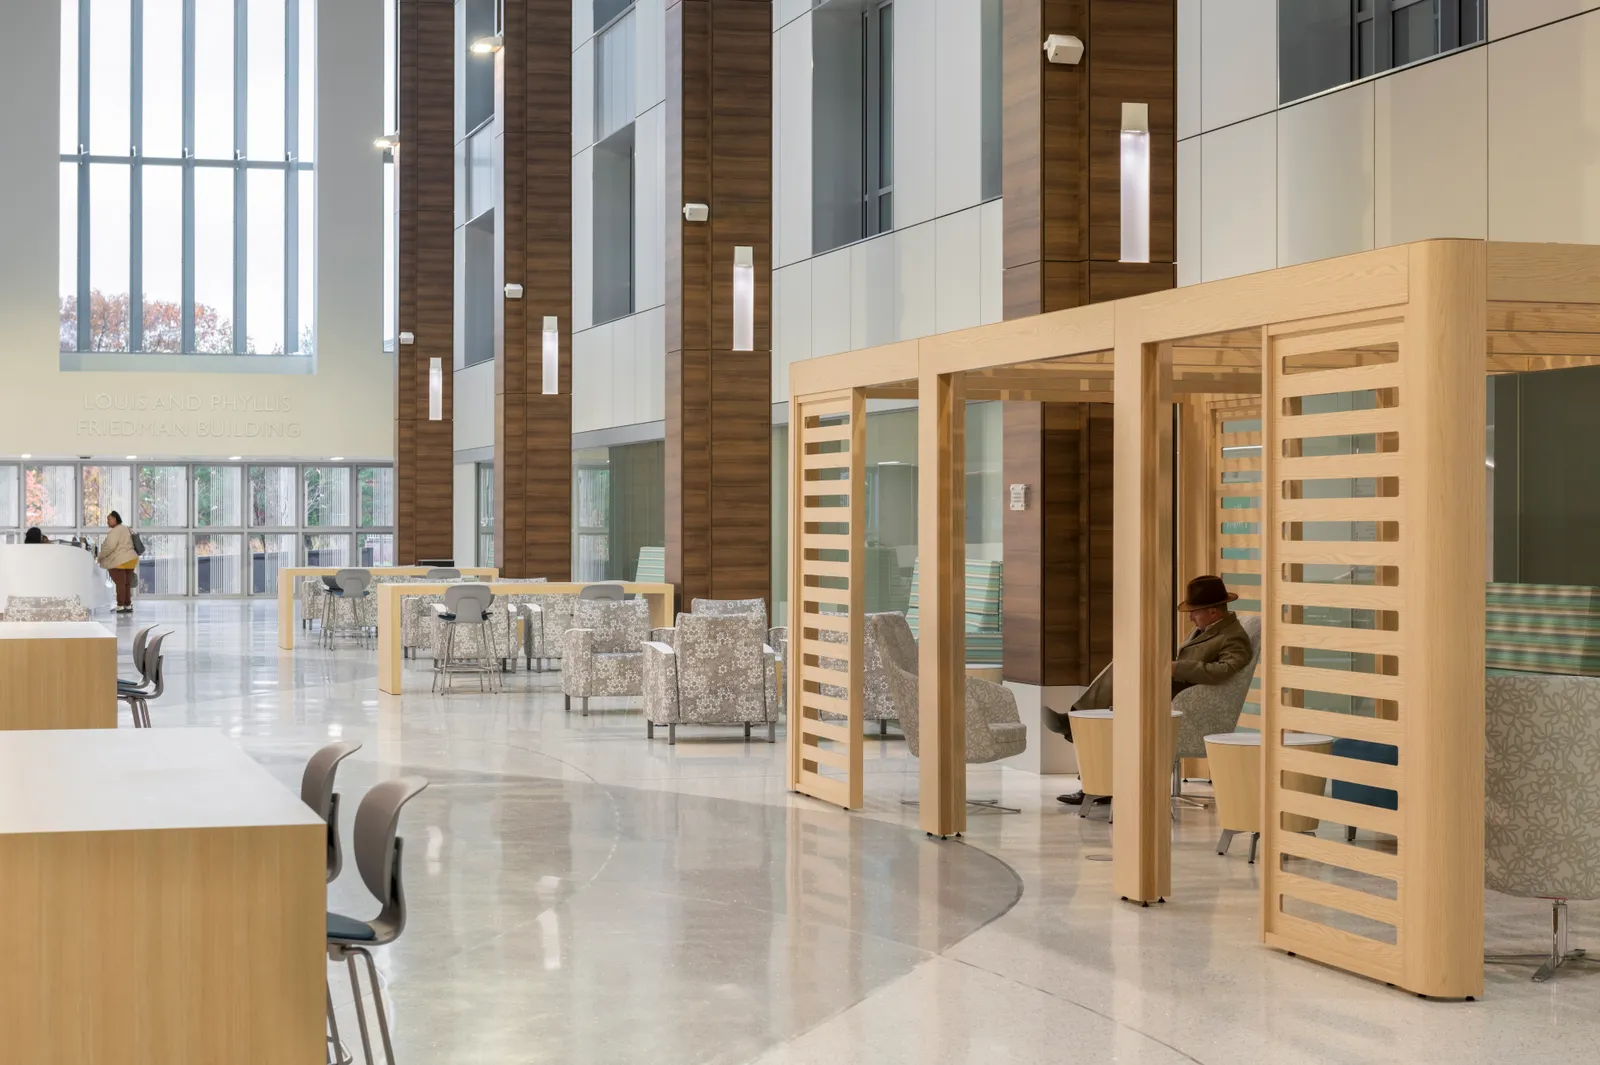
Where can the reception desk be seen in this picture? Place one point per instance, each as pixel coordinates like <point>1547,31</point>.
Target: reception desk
<point>54,570</point>
<point>57,675</point>
<point>289,578</point>
<point>165,903</point>
<point>391,660</point>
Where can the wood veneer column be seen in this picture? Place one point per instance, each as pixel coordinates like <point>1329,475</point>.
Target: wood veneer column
<point>425,277</point>
<point>533,248</point>
<point>1062,243</point>
<point>718,401</point>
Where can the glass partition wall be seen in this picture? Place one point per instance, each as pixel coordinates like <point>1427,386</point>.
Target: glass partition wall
<point>210,529</point>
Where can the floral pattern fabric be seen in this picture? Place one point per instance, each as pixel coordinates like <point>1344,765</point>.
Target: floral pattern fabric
<point>722,608</point>
<point>994,727</point>
<point>45,608</point>
<point>717,672</point>
<point>1542,786</point>
<point>603,653</point>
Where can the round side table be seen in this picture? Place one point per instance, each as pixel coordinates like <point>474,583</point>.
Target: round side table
<point>1235,759</point>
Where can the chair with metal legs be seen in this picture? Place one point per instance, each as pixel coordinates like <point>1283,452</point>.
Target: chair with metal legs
<point>465,606</point>
<point>316,791</point>
<point>354,589</point>
<point>152,669</point>
<point>378,853</point>
<point>136,654</point>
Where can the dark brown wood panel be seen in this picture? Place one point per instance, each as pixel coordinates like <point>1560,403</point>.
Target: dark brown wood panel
<point>718,401</point>
<point>425,266</point>
<point>533,431</point>
<point>1062,242</point>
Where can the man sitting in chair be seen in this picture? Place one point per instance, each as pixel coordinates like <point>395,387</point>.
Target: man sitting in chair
<point>1216,650</point>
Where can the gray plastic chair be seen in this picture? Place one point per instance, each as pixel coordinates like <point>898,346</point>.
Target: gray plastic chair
<point>465,605</point>
<point>611,592</point>
<point>443,573</point>
<point>378,853</point>
<point>151,667</point>
<point>316,791</point>
<point>350,586</point>
<point>136,653</point>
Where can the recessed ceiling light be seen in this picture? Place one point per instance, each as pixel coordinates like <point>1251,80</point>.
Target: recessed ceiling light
<point>233,458</point>
<point>132,457</point>
<point>26,455</point>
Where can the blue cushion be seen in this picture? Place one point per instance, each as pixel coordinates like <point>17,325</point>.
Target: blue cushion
<point>1365,794</point>
<point>349,929</point>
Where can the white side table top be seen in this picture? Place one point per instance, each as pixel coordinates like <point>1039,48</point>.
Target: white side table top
<point>1253,739</point>
<point>1102,715</point>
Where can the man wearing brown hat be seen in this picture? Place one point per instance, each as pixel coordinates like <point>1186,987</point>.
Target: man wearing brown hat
<point>1216,650</point>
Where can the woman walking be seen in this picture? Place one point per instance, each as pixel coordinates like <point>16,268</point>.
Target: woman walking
<point>118,557</point>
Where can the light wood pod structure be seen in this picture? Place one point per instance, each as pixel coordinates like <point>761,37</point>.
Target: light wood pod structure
<point>57,675</point>
<point>290,576</point>
<point>165,903</point>
<point>1412,330</point>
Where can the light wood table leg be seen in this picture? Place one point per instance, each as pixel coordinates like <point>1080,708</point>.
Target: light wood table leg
<point>390,660</point>
<point>286,586</point>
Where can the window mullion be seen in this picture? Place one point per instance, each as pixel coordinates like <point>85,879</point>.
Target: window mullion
<point>187,311</point>
<point>84,301</point>
<point>136,180</point>
<point>291,183</point>
<point>241,78</point>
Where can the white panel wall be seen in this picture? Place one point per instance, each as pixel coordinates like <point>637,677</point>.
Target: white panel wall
<point>582,21</point>
<point>650,42</point>
<point>791,142</point>
<point>1325,176</point>
<point>465,523</point>
<point>1239,60</point>
<point>1513,16</point>
<point>582,240</point>
<point>872,318</point>
<point>957,291</point>
<point>649,205</point>
<point>916,275</point>
<point>830,302</point>
<point>1431,151</point>
<point>583,97</point>
<point>1238,199</point>
<point>1190,211</point>
<point>958,96</point>
<point>784,11</point>
<point>1544,134</point>
<point>791,323</point>
<point>916,118</point>
<point>592,378</point>
<point>473,406</point>
<point>1189,95</point>
<point>991,265</point>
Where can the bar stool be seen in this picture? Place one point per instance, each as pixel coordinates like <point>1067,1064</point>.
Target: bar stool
<point>442,573</point>
<point>611,592</point>
<point>465,605</point>
<point>352,586</point>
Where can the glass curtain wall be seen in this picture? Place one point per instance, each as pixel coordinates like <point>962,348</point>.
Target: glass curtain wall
<point>618,507</point>
<point>211,529</point>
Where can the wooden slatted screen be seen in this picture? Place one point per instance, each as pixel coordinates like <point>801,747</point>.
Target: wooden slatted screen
<point>827,594</point>
<point>1334,599</point>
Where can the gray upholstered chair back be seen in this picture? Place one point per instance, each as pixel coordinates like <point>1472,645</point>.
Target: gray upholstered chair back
<point>618,627</point>
<point>726,607</point>
<point>353,583</point>
<point>1212,708</point>
<point>602,593</point>
<point>897,655</point>
<point>1541,831</point>
<point>316,791</point>
<point>136,652</point>
<point>721,656</point>
<point>443,573</point>
<point>153,668</point>
<point>468,602</point>
<point>378,849</point>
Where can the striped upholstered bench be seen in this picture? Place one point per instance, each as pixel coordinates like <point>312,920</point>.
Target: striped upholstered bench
<point>1543,628</point>
<point>652,568</point>
<point>982,609</point>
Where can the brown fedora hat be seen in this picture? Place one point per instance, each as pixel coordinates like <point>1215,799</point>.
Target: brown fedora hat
<point>1206,591</point>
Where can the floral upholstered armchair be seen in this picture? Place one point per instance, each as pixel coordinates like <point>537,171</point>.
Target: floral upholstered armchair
<point>718,670</point>
<point>46,608</point>
<point>551,618</point>
<point>603,652</point>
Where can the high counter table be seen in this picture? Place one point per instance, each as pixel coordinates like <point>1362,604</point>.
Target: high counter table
<point>57,675</point>
<point>164,903</point>
<point>391,660</point>
<point>289,580</point>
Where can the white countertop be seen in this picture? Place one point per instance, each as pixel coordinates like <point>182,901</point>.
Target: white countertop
<point>55,630</point>
<point>120,780</point>
<point>1253,739</point>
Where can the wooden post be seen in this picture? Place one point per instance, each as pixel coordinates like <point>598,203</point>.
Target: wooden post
<point>941,551</point>
<point>1197,505</point>
<point>1141,836</point>
<point>1442,722</point>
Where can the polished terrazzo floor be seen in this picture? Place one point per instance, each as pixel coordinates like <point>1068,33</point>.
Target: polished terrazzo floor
<point>579,894</point>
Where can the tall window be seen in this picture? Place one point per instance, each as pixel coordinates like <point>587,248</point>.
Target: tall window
<point>852,122</point>
<point>1325,43</point>
<point>614,171</point>
<point>187,129</point>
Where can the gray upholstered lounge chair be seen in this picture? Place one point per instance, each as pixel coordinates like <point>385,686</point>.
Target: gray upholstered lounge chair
<point>603,652</point>
<point>1541,811</point>
<point>994,728</point>
<point>718,670</point>
<point>1212,708</point>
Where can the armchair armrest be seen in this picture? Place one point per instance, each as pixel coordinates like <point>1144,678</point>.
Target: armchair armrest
<point>660,683</point>
<point>577,644</point>
<point>664,636</point>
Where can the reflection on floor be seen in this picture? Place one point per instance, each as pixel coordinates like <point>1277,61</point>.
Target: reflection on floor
<point>579,894</point>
